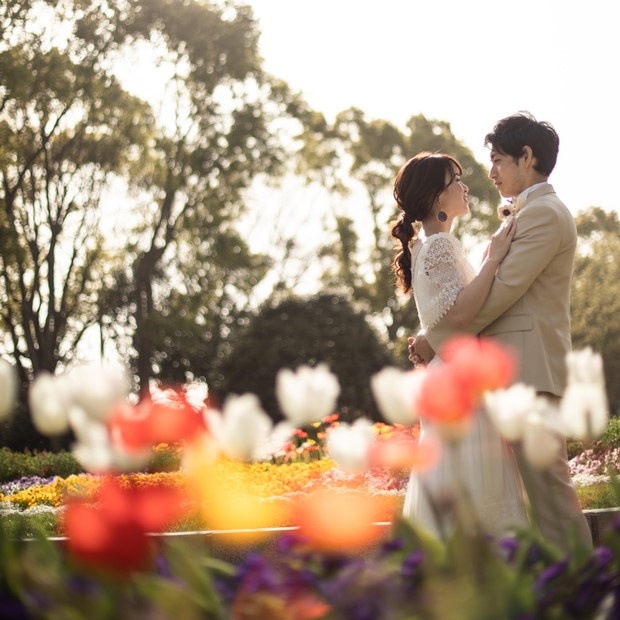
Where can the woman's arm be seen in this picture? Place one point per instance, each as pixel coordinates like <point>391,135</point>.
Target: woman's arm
<point>472,297</point>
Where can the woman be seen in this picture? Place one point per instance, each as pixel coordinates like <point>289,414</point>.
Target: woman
<point>428,189</point>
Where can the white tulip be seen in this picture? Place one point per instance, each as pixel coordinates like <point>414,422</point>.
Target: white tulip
<point>96,389</point>
<point>542,440</point>
<point>307,395</point>
<point>584,408</point>
<point>8,389</point>
<point>243,429</point>
<point>349,444</point>
<point>509,408</point>
<point>49,401</point>
<point>94,449</point>
<point>278,437</point>
<point>395,393</point>
<point>584,411</point>
<point>584,366</point>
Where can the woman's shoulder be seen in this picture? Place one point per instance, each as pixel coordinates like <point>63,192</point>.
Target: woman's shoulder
<point>440,242</point>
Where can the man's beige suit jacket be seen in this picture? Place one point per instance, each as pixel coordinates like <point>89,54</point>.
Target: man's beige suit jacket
<point>528,307</point>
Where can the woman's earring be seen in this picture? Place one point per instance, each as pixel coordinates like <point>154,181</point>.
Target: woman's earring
<point>442,216</point>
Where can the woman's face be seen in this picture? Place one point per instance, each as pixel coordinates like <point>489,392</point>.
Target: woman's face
<point>454,199</point>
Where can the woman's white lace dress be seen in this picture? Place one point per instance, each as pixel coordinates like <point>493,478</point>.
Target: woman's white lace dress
<point>482,461</point>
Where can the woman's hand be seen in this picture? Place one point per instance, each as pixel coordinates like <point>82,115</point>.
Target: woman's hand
<point>500,241</point>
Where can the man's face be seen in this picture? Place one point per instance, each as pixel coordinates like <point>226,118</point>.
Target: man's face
<point>508,174</point>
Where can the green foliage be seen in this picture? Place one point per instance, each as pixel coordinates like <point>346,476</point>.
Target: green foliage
<point>596,496</point>
<point>20,526</point>
<point>14,465</point>
<point>324,328</point>
<point>595,295</point>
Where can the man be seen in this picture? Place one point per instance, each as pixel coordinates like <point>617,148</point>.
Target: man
<point>528,305</point>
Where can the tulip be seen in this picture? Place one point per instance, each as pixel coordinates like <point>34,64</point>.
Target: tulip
<point>395,392</point>
<point>96,389</point>
<point>113,534</point>
<point>8,389</point>
<point>542,440</point>
<point>509,408</point>
<point>95,450</point>
<point>584,408</point>
<point>482,363</point>
<point>307,395</point>
<point>49,398</point>
<point>401,454</point>
<point>242,429</point>
<point>349,444</point>
<point>339,522</point>
<point>445,402</point>
<point>584,366</point>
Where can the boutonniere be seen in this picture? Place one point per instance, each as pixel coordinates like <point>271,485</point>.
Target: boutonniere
<point>509,208</point>
<point>506,210</point>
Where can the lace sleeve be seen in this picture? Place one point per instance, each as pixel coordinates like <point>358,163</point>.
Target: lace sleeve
<point>442,268</point>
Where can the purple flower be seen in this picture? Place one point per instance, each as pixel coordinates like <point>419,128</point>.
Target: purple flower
<point>550,573</point>
<point>411,564</point>
<point>256,574</point>
<point>390,546</point>
<point>509,547</point>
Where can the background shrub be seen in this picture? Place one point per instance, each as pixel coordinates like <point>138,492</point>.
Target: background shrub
<point>324,328</point>
<point>14,465</point>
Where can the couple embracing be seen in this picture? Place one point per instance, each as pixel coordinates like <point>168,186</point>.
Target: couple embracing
<point>519,296</point>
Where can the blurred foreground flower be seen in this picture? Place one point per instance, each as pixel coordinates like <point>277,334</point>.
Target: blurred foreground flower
<point>244,431</point>
<point>308,394</point>
<point>401,454</point>
<point>342,521</point>
<point>349,445</point>
<point>50,399</point>
<point>451,392</point>
<point>584,407</point>
<point>165,417</point>
<point>481,363</point>
<point>395,392</point>
<point>8,389</point>
<point>111,532</point>
<point>228,502</point>
<point>508,409</point>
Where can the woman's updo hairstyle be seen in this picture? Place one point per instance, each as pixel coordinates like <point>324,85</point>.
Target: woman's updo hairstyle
<point>416,188</point>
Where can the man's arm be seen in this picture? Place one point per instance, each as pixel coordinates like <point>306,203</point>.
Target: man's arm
<point>535,243</point>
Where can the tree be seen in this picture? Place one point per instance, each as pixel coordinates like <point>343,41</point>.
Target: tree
<point>220,135</point>
<point>64,131</point>
<point>595,296</point>
<point>323,328</point>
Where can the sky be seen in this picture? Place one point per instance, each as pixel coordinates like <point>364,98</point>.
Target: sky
<point>467,63</point>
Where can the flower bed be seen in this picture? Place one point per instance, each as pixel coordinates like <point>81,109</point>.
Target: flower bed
<point>338,564</point>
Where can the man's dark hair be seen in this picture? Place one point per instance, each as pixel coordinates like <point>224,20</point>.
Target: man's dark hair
<point>512,133</point>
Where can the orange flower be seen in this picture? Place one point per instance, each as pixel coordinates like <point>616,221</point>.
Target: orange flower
<point>111,533</point>
<point>330,419</point>
<point>334,521</point>
<point>167,420</point>
<point>402,454</point>
<point>444,398</point>
<point>482,363</point>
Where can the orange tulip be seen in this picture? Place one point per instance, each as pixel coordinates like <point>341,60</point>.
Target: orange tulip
<point>401,454</point>
<point>167,420</point>
<point>340,521</point>
<point>481,363</point>
<point>443,397</point>
<point>111,532</point>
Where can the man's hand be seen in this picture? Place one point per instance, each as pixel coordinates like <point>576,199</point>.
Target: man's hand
<point>420,351</point>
